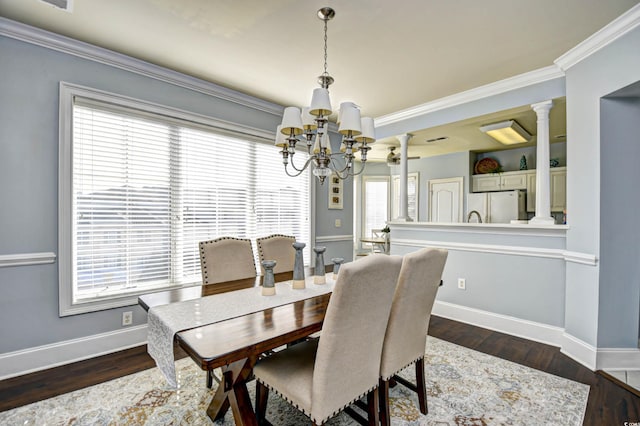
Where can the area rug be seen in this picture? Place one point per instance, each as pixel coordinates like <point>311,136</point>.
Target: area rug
<point>464,387</point>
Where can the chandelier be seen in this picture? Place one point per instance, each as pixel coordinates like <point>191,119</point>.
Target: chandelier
<point>311,125</point>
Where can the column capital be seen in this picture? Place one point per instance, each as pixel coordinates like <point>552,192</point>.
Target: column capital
<point>542,106</point>
<point>404,138</point>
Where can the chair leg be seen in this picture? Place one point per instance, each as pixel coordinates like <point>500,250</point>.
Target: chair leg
<point>421,385</point>
<point>385,411</point>
<point>373,412</point>
<point>209,379</point>
<point>262,395</point>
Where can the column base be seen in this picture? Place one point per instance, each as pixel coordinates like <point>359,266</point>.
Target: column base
<point>539,220</point>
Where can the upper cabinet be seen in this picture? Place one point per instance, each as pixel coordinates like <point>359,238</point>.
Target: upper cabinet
<point>526,180</point>
<point>558,189</point>
<point>505,181</point>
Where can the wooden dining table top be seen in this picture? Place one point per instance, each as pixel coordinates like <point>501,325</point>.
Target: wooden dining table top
<point>221,343</point>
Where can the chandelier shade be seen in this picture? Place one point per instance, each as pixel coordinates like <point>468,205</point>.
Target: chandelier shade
<point>310,124</point>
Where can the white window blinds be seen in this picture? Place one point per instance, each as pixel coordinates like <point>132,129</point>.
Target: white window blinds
<point>146,188</point>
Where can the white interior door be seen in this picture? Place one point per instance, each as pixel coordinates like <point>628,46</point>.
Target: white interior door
<point>445,199</point>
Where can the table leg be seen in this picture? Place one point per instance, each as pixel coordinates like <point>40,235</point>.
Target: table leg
<point>232,392</point>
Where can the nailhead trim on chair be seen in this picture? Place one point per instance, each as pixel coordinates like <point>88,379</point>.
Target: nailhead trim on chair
<point>412,362</point>
<point>202,257</point>
<point>335,413</point>
<point>259,240</point>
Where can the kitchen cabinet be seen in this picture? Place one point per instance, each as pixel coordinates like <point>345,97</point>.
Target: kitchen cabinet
<point>505,181</point>
<point>558,190</point>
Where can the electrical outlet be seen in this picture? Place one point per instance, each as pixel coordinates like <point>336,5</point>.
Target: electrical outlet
<point>127,318</point>
<point>462,284</point>
<point>338,223</point>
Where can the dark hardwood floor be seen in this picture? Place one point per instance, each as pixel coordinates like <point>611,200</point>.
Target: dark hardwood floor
<point>609,404</point>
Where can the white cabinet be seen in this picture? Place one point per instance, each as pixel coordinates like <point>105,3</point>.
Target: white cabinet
<point>558,190</point>
<point>505,181</point>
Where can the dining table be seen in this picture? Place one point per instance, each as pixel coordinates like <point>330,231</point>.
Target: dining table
<point>233,339</point>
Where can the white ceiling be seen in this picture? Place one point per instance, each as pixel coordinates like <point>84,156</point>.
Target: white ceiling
<point>385,56</point>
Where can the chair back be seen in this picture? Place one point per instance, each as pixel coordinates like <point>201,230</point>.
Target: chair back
<point>277,247</point>
<point>226,259</point>
<point>406,334</point>
<point>347,362</point>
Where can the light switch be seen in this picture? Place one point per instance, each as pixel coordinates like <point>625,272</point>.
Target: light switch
<point>338,223</point>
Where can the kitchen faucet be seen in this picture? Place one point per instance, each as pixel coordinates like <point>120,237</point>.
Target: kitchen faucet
<point>477,214</point>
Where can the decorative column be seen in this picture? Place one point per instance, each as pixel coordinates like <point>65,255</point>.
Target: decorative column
<point>403,211</point>
<point>543,188</point>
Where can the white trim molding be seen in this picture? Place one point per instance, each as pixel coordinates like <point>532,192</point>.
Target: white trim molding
<point>610,33</point>
<point>26,259</point>
<point>334,238</point>
<point>538,332</point>
<point>502,86</point>
<point>618,359</point>
<point>579,350</point>
<point>93,53</point>
<point>561,254</point>
<point>571,346</point>
<point>26,361</point>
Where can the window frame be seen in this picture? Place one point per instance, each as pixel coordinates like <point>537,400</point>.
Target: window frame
<point>363,210</point>
<point>66,257</point>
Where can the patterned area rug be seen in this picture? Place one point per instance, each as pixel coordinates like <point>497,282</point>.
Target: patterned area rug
<point>464,387</point>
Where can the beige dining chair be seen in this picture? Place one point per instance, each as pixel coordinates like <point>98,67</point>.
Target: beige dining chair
<point>226,259</point>
<point>406,335</point>
<point>277,247</point>
<point>321,377</point>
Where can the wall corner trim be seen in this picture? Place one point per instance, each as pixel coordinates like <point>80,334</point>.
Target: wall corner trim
<point>26,259</point>
<point>606,35</point>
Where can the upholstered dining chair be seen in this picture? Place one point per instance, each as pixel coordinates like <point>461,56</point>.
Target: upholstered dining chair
<point>406,335</point>
<point>323,376</point>
<point>277,247</point>
<point>226,259</point>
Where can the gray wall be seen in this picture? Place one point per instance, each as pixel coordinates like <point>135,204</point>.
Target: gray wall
<point>619,223</point>
<point>613,67</point>
<point>29,176</point>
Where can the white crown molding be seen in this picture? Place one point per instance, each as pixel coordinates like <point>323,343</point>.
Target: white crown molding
<point>512,83</point>
<point>334,238</point>
<point>608,34</point>
<point>83,50</point>
<point>26,259</point>
<point>567,256</point>
<point>26,361</point>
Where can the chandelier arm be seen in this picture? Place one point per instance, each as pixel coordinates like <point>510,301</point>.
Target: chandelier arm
<point>336,167</point>
<point>286,170</point>
<point>306,164</point>
<point>360,172</point>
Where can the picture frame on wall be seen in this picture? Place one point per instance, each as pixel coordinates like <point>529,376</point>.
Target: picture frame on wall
<point>335,191</point>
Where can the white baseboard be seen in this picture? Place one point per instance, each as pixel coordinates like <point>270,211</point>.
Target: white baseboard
<point>579,350</point>
<point>26,361</point>
<point>618,359</point>
<point>530,330</point>
<point>574,348</point>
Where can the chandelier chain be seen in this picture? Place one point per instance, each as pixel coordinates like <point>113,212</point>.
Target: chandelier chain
<point>325,47</point>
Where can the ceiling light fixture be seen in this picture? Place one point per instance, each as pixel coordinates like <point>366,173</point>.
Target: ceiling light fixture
<point>311,122</point>
<point>507,132</point>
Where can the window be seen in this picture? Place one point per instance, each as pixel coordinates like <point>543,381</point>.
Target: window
<point>143,184</point>
<point>412,193</point>
<point>375,209</point>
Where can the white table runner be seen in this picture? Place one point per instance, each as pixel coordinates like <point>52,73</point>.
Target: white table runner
<point>166,320</point>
